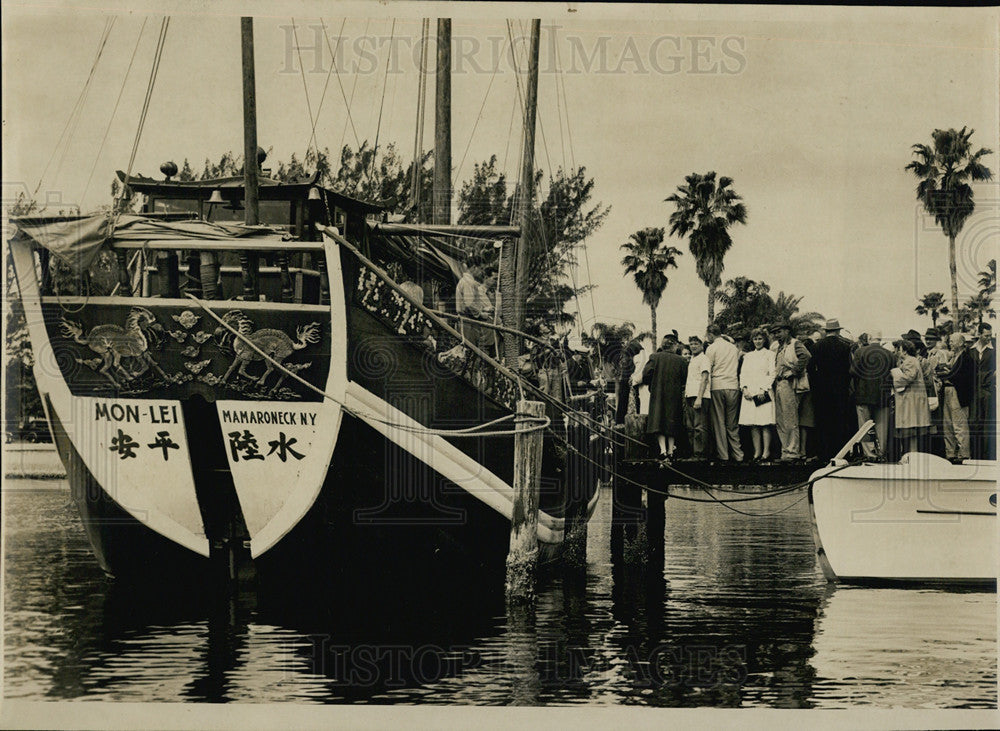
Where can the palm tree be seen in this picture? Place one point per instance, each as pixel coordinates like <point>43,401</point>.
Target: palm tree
<point>706,210</point>
<point>786,309</point>
<point>932,304</point>
<point>647,261</point>
<point>606,340</point>
<point>945,168</point>
<point>745,303</point>
<point>988,278</point>
<point>979,306</point>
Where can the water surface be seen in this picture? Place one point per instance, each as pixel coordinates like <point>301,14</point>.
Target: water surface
<point>742,618</point>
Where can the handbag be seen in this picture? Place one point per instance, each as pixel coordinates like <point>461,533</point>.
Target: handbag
<point>801,383</point>
<point>762,398</point>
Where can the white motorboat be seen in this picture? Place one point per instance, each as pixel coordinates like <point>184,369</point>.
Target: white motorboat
<point>921,520</point>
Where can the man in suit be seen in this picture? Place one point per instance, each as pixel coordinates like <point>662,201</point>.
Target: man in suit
<point>872,385</point>
<point>830,382</point>
<point>982,412</point>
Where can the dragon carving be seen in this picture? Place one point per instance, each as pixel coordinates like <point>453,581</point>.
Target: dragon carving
<point>275,343</point>
<point>117,345</point>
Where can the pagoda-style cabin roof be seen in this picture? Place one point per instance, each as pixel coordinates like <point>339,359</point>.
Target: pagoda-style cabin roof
<point>232,188</point>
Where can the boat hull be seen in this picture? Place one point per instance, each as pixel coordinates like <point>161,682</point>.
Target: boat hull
<point>921,521</point>
<point>193,469</point>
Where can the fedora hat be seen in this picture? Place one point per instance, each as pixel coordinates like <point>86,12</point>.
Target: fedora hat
<point>832,324</point>
<point>776,326</point>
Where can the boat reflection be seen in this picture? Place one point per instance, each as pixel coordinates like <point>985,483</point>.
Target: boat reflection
<point>904,647</point>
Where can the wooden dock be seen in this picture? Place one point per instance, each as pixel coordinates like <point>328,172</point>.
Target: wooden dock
<point>653,473</point>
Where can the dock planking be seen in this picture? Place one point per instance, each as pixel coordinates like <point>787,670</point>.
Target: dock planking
<point>735,474</point>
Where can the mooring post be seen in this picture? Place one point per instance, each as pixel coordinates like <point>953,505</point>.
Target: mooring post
<point>580,476</point>
<point>628,539</point>
<point>655,524</point>
<point>522,558</point>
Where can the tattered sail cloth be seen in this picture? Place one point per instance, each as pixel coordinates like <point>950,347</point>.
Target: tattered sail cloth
<point>78,242</point>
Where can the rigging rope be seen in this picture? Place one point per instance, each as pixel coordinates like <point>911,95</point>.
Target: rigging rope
<point>305,87</point>
<point>343,94</point>
<point>160,41</point>
<point>418,133</point>
<point>114,111</point>
<point>78,105</point>
<point>385,85</point>
<point>475,125</point>
<point>531,423</point>
<point>333,64</point>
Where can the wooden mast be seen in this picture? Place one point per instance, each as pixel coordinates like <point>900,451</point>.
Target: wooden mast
<point>514,263</point>
<point>249,263</point>
<point>442,126</point>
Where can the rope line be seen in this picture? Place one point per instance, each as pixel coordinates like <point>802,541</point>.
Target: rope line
<point>78,105</point>
<point>458,170</point>
<point>343,94</point>
<point>381,105</point>
<point>526,422</point>
<point>158,54</point>
<point>305,87</point>
<point>114,111</point>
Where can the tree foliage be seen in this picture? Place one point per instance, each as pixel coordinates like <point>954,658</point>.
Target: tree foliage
<point>558,227</point>
<point>647,259</point>
<point>945,169</point>
<point>748,304</point>
<point>932,304</point>
<point>704,211</point>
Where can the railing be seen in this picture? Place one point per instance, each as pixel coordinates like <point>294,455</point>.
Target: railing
<point>405,318</point>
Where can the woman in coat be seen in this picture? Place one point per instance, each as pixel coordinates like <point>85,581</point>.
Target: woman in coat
<point>666,375</point>
<point>913,414</point>
<point>757,389</point>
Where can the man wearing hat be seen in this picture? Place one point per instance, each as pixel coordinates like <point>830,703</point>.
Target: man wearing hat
<point>830,380</point>
<point>789,368</point>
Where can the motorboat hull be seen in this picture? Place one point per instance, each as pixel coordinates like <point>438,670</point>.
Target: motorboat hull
<point>922,520</point>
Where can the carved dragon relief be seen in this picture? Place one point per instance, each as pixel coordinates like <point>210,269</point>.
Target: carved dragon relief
<point>126,361</point>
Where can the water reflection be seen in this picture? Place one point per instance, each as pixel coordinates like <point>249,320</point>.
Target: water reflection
<point>740,617</point>
<point>904,647</point>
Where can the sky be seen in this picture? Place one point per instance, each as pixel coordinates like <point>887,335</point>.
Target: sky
<point>812,112</point>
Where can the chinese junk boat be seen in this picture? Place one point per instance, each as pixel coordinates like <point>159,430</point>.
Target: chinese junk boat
<point>266,400</point>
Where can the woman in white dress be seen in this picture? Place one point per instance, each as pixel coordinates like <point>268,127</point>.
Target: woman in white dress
<point>757,387</point>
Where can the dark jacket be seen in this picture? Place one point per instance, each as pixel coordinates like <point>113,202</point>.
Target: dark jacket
<point>666,375</point>
<point>870,368</point>
<point>830,368</point>
<point>962,375</point>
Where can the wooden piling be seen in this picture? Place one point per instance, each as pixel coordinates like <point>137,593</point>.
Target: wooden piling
<point>522,557</point>
<point>580,476</point>
<point>655,528</point>
<point>627,515</point>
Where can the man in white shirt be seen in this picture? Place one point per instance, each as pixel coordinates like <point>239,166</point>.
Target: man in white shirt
<point>724,362</point>
<point>697,398</point>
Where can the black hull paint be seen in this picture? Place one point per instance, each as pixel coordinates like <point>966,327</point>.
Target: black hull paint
<point>382,519</point>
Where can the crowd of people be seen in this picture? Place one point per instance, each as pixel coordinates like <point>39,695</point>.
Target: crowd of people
<point>775,397</point>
